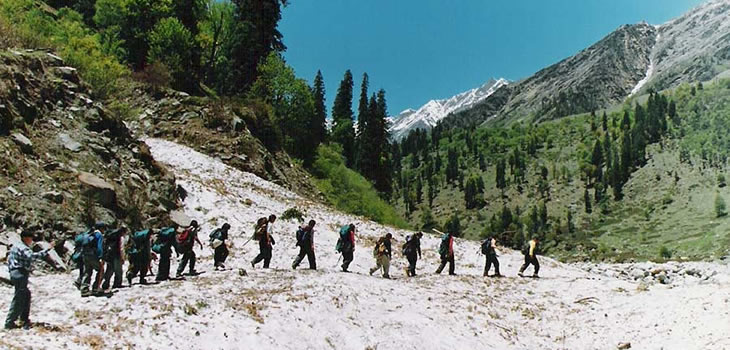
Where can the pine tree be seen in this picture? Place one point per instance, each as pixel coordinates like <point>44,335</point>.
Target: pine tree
<point>500,179</point>
<point>452,166</point>
<point>343,131</point>
<point>379,124</point>
<point>604,122</point>
<point>320,111</point>
<point>587,200</point>
<point>453,225</point>
<point>363,115</point>
<point>256,34</point>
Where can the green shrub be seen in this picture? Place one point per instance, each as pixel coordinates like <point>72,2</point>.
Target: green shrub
<point>665,253</point>
<point>720,207</point>
<point>349,191</point>
<point>172,44</point>
<point>293,213</point>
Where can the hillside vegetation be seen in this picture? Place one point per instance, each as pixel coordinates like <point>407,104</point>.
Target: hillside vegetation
<point>594,186</point>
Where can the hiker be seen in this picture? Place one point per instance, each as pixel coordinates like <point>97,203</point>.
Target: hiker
<point>489,246</point>
<point>185,244</point>
<point>305,241</point>
<point>92,252</point>
<point>20,265</point>
<point>139,255</point>
<point>346,245</point>
<point>412,251</point>
<point>113,257</point>
<point>218,241</point>
<point>77,257</point>
<point>446,251</point>
<point>382,253</point>
<point>263,234</point>
<point>163,246</point>
<point>529,250</point>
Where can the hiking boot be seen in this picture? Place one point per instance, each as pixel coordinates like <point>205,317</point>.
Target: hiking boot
<point>11,326</point>
<point>372,271</point>
<point>77,284</point>
<point>193,272</point>
<point>178,274</point>
<point>520,274</point>
<point>142,281</point>
<point>85,293</point>
<point>293,266</point>
<point>129,280</point>
<point>253,265</point>
<point>27,325</point>
<point>386,276</point>
<point>535,276</point>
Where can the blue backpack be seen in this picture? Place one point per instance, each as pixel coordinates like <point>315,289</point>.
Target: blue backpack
<point>344,232</point>
<point>80,241</point>
<point>139,240</point>
<point>165,239</point>
<point>301,234</point>
<point>444,247</point>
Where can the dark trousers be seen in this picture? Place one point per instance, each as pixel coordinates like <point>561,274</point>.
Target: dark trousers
<point>347,257</point>
<point>491,259</point>
<point>138,266</point>
<point>80,266</point>
<point>20,306</point>
<point>530,260</point>
<point>444,260</point>
<point>309,253</point>
<point>188,256</point>
<point>412,260</point>
<point>264,254</point>
<point>91,264</point>
<point>163,268</point>
<point>220,255</point>
<point>113,267</point>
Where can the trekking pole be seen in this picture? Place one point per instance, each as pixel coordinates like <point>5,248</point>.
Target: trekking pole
<point>338,260</point>
<point>249,240</point>
<point>439,232</point>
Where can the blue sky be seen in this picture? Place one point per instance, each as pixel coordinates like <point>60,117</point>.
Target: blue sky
<point>418,50</point>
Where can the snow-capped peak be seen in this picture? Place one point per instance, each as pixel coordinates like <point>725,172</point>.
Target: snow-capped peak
<point>433,111</point>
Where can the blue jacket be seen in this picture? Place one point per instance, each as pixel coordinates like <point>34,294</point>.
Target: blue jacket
<point>99,243</point>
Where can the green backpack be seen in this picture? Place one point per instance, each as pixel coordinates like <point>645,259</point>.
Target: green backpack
<point>444,247</point>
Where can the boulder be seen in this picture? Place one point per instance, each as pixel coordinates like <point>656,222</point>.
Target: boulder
<point>102,191</point>
<point>3,253</point>
<point>68,73</point>
<point>23,142</point>
<point>69,143</point>
<point>179,217</point>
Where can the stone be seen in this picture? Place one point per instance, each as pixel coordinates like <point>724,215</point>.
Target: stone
<point>179,217</point>
<point>53,196</point>
<point>190,115</point>
<point>69,143</point>
<point>23,142</point>
<point>237,124</point>
<point>68,73</point>
<point>3,253</point>
<point>102,191</point>
<point>624,346</point>
<point>13,191</point>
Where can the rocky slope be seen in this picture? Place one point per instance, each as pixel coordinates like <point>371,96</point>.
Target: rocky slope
<point>66,160</point>
<point>434,111</point>
<point>571,307</point>
<point>691,48</point>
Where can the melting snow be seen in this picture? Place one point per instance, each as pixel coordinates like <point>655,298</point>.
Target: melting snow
<point>327,309</point>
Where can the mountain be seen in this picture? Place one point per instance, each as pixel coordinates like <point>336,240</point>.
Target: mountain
<point>631,60</point>
<point>435,110</point>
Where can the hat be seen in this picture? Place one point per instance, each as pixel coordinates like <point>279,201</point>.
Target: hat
<point>194,223</point>
<point>99,225</point>
<point>26,233</point>
<point>389,235</point>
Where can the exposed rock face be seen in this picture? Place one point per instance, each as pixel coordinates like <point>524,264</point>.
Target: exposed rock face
<point>598,76</point>
<point>694,47</point>
<point>58,147</point>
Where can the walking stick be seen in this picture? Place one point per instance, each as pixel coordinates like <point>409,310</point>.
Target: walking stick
<point>338,260</point>
<point>249,240</point>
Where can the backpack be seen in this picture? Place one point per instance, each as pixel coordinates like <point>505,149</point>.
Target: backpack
<point>344,232</point>
<point>184,240</point>
<point>526,248</point>
<point>409,247</point>
<point>108,249</point>
<point>78,243</point>
<point>300,236</point>
<point>486,246</point>
<point>260,229</point>
<point>89,244</point>
<point>164,239</point>
<point>138,239</point>
<point>444,247</point>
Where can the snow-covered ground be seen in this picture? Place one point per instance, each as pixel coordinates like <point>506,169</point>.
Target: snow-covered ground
<point>279,308</point>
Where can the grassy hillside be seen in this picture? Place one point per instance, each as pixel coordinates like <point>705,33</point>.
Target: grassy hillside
<point>667,207</point>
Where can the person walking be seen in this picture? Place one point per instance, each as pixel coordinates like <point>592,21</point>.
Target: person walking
<point>305,241</point>
<point>163,246</point>
<point>92,253</point>
<point>412,251</point>
<point>346,245</point>
<point>112,256</point>
<point>446,251</point>
<point>529,250</point>
<point>489,246</point>
<point>185,244</point>
<point>382,253</point>
<point>20,261</point>
<point>218,241</point>
<point>139,254</point>
<point>266,242</point>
